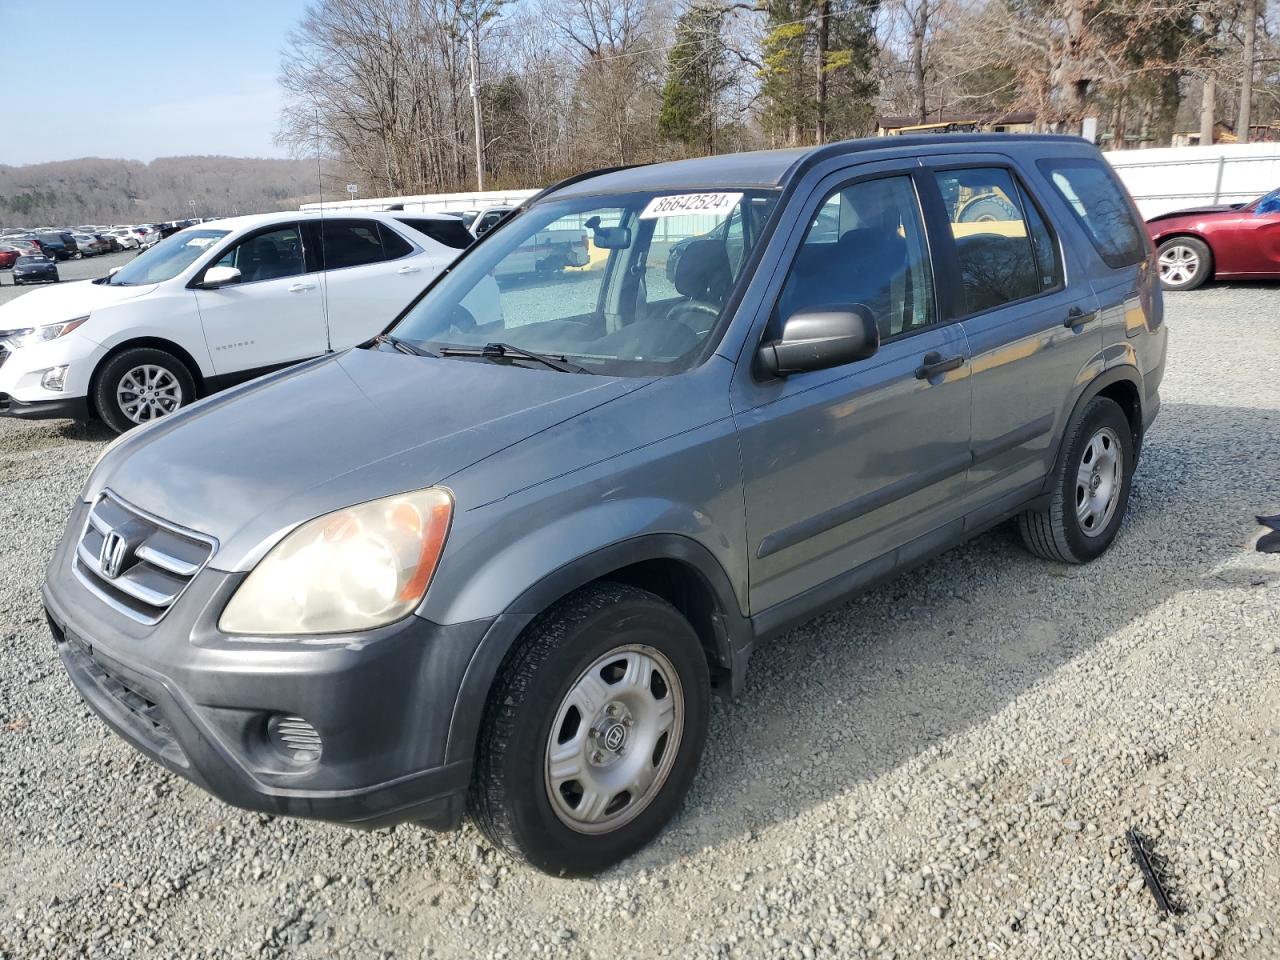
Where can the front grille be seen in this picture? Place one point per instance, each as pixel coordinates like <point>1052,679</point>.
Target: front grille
<point>156,560</point>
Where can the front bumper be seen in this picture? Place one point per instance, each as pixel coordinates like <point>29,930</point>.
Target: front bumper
<point>198,702</point>
<point>68,408</point>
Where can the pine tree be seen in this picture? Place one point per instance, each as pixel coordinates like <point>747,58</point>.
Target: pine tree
<point>696,79</point>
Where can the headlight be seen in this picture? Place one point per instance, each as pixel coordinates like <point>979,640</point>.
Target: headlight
<point>354,569</point>
<point>30,336</point>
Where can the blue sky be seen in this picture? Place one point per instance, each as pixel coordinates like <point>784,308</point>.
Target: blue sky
<point>141,79</point>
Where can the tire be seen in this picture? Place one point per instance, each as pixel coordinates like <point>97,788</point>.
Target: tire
<point>169,375</point>
<point>1185,263</point>
<point>1067,530</point>
<point>577,648</point>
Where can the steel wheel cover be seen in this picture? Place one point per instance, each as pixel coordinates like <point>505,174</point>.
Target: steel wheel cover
<point>1099,479</point>
<point>614,739</point>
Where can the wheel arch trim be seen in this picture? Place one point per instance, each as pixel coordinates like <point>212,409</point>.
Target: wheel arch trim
<point>1122,374</point>
<point>731,642</point>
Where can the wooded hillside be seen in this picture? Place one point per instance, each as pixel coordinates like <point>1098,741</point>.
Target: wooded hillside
<point>96,190</point>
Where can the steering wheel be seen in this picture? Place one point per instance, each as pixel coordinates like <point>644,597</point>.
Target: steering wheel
<point>697,309</point>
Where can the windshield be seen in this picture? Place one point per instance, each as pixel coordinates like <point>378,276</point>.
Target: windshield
<point>167,259</point>
<point>622,284</point>
<point>1268,203</point>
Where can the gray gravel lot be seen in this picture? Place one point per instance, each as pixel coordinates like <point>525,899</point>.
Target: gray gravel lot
<point>944,767</point>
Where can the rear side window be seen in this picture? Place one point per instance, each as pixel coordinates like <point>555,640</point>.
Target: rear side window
<point>1005,249</point>
<point>452,232</point>
<point>1099,204</point>
<point>394,246</point>
<point>350,243</point>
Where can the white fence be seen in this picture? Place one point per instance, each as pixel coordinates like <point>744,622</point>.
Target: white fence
<point>1173,178</point>
<point>430,202</point>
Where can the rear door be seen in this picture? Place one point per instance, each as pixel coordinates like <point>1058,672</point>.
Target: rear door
<point>370,273</point>
<point>274,315</point>
<point>1030,331</point>
<point>845,465</point>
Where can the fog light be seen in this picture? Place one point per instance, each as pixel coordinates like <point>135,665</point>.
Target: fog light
<point>294,738</point>
<point>55,378</point>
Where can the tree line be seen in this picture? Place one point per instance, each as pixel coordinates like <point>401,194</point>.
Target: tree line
<point>392,93</point>
<point>94,190</point>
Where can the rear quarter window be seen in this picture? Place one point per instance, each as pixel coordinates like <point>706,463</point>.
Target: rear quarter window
<point>1099,204</point>
<point>452,233</point>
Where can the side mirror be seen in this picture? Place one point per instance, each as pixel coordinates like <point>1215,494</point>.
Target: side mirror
<point>817,338</point>
<point>216,277</point>
<point>113,271</point>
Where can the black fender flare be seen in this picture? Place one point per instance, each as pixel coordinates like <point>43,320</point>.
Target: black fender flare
<point>733,638</point>
<point>1123,373</point>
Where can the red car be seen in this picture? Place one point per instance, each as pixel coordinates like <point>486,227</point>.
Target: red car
<point>7,256</point>
<point>1241,241</point>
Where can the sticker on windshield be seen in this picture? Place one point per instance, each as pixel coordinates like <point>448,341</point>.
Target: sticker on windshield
<point>200,241</point>
<point>683,204</point>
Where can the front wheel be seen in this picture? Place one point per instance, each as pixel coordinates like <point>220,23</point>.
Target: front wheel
<point>1090,488</point>
<point>593,731</point>
<point>140,385</point>
<point>1185,263</point>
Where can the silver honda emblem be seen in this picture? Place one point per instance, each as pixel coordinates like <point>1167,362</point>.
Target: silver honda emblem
<point>615,737</point>
<point>111,556</point>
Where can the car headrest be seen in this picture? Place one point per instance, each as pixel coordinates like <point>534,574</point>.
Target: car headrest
<point>702,272</point>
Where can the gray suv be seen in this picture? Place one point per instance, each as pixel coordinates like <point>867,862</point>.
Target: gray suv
<point>497,559</point>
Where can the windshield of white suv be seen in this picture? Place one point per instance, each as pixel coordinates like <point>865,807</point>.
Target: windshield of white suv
<point>622,284</point>
<point>166,259</point>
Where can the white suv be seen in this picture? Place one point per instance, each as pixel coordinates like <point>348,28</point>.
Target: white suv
<point>210,306</point>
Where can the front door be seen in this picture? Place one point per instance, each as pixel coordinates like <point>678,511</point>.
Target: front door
<point>843,466</point>
<point>273,314</point>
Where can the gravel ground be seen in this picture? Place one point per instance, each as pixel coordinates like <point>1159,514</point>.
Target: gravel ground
<point>87,268</point>
<point>945,767</point>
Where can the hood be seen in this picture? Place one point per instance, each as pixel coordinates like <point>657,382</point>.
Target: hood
<point>64,302</point>
<point>245,465</point>
<point>1196,211</point>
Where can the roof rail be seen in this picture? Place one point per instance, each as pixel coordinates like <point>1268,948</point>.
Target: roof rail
<point>577,178</point>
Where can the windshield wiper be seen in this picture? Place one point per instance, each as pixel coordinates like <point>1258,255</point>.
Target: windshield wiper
<point>404,346</point>
<point>506,351</point>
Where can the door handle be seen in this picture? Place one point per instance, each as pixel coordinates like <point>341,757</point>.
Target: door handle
<point>933,364</point>
<point>408,270</point>
<point>300,287</point>
<point>1078,318</point>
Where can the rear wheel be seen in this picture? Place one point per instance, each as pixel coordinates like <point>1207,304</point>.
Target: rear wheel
<point>1185,263</point>
<point>593,731</point>
<point>1090,488</point>
<point>140,385</point>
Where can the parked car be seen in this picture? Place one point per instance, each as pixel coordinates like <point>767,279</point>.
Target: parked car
<point>58,246</point>
<point>25,246</point>
<point>31,269</point>
<point>211,306</point>
<point>89,245</point>
<point>126,239</point>
<point>1236,241</point>
<point>498,560</point>
<point>8,255</point>
<point>488,218</point>
<point>112,242</point>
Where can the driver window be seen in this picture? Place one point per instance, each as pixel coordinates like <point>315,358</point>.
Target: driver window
<point>266,256</point>
<point>866,245</point>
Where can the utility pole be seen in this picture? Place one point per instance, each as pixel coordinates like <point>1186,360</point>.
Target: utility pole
<point>1246,82</point>
<point>475,108</point>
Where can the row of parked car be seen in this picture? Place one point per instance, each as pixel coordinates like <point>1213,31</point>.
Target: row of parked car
<point>68,243</point>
